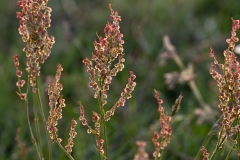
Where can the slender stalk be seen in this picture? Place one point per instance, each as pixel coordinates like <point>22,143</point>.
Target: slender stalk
<point>161,157</point>
<point>61,147</point>
<point>45,123</point>
<point>36,121</point>
<point>170,48</point>
<point>105,139</point>
<point>30,129</point>
<point>207,139</point>
<point>102,121</point>
<point>99,110</point>
<point>217,147</point>
<point>229,153</point>
<point>29,124</point>
<point>104,127</point>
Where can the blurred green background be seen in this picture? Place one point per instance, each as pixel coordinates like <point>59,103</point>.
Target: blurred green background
<point>193,27</point>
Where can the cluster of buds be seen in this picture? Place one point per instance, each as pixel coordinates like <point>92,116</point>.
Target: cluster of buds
<point>229,86</point>
<point>96,130</point>
<point>72,135</point>
<point>34,20</point>
<point>205,153</point>
<point>161,139</point>
<point>126,94</point>
<point>105,52</point>
<point>20,81</point>
<point>100,146</point>
<point>56,103</point>
<point>95,120</point>
<point>82,117</point>
<point>141,154</point>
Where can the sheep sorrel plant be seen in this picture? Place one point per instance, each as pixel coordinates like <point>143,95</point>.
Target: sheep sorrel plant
<point>100,74</point>
<point>101,70</point>
<point>56,103</point>
<point>34,20</point>
<point>229,99</point>
<point>162,138</point>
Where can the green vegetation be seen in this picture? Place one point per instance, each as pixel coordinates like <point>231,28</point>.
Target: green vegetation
<point>193,27</point>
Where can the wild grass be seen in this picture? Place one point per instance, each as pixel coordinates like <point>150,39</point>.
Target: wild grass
<point>106,61</point>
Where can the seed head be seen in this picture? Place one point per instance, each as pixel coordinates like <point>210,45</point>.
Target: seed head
<point>34,20</point>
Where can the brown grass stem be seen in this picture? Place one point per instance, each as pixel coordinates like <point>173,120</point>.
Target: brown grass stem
<point>192,84</point>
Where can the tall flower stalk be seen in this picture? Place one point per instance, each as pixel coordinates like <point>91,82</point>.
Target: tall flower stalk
<point>57,103</point>
<point>101,70</point>
<point>228,81</point>
<point>162,138</point>
<point>34,19</point>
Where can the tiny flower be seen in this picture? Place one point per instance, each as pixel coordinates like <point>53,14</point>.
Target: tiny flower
<point>205,153</point>
<point>100,146</point>
<point>20,83</point>
<point>95,117</point>
<point>84,121</point>
<point>23,96</point>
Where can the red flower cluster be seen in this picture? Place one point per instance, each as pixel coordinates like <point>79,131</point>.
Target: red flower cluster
<point>126,94</point>
<point>20,81</point>
<point>106,51</point>
<point>204,153</point>
<point>101,70</point>
<point>162,139</point>
<point>56,103</point>
<point>33,29</point>
<point>72,135</point>
<point>229,86</point>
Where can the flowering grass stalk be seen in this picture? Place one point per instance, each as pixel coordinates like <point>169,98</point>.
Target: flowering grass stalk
<point>229,99</point>
<point>57,103</point>
<point>34,20</point>
<point>101,70</point>
<point>162,138</point>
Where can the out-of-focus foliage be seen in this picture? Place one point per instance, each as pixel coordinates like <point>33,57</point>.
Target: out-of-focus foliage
<point>193,27</point>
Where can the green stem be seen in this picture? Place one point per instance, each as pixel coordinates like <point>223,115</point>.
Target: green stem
<point>102,121</point>
<point>217,146</point>
<point>161,156</point>
<point>61,147</point>
<point>44,122</point>
<point>30,129</point>
<point>229,153</point>
<point>207,138</point>
<point>36,121</point>
<point>29,124</point>
<point>105,139</point>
